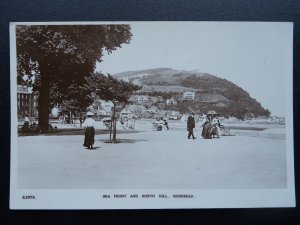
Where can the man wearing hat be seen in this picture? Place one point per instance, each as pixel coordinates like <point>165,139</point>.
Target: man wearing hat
<point>191,125</point>
<point>89,127</point>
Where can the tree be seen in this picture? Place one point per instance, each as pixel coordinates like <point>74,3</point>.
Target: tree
<point>55,59</point>
<point>110,89</point>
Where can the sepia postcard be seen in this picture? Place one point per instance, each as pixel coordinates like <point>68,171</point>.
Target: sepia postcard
<point>151,115</point>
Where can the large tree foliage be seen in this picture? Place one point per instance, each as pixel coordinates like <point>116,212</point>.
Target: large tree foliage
<point>110,89</point>
<point>55,59</point>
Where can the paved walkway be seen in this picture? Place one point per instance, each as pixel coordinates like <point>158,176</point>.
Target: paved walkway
<point>151,160</point>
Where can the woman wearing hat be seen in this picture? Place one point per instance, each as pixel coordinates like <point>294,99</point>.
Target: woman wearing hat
<point>89,127</point>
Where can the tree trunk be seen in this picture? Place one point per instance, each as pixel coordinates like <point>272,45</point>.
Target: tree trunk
<point>80,119</point>
<point>112,123</point>
<point>115,130</point>
<point>44,109</point>
<point>110,130</point>
<point>115,125</point>
<point>43,102</point>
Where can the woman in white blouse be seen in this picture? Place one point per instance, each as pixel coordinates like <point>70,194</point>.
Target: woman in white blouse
<point>89,127</point>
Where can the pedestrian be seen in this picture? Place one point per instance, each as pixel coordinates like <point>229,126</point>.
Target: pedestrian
<point>89,127</point>
<point>80,121</point>
<point>26,121</point>
<point>132,124</point>
<point>67,119</point>
<point>216,124</point>
<point>191,125</point>
<point>165,122</point>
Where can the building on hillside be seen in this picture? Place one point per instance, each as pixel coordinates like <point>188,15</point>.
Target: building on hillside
<point>171,101</point>
<point>141,99</point>
<point>106,104</point>
<point>137,82</point>
<point>152,110</point>
<point>160,98</point>
<point>188,95</point>
<point>154,99</point>
<point>104,108</point>
<point>174,115</point>
<point>103,113</point>
<point>26,102</point>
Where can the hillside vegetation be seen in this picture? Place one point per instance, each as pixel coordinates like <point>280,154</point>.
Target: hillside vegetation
<point>212,92</point>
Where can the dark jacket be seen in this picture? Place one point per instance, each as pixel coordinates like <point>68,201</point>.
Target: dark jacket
<point>190,122</point>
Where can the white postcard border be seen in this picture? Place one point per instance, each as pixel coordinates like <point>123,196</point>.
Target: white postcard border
<point>93,199</point>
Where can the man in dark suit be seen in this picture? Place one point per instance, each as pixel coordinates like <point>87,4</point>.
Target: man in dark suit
<point>191,125</point>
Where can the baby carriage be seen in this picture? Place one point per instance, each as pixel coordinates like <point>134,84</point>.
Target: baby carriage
<point>220,129</point>
<point>158,125</point>
<point>225,131</point>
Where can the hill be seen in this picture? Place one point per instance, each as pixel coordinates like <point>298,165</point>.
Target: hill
<point>212,92</point>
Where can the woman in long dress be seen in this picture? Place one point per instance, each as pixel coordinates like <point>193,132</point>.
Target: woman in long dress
<point>208,130</point>
<point>89,127</point>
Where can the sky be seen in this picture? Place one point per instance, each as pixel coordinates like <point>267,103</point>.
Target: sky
<point>256,56</point>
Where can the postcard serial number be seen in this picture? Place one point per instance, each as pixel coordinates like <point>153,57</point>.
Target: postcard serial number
<point>28,197</point>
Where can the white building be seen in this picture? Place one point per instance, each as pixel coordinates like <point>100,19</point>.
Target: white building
<point>137,82</point>
<point>171,101</point>
<point>26,101</point>
<point>104,108</point>
<point>141,99</point>
<point>153,110</point>
<point>188,95</point>
<point>174,115</point>
<point>106,104</point>
<point>103,113</point>
<point>154,99</point>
